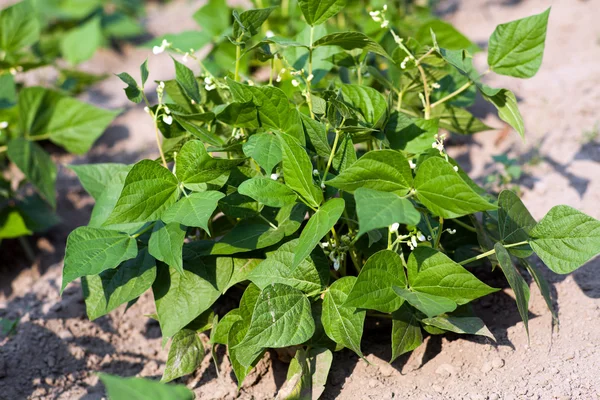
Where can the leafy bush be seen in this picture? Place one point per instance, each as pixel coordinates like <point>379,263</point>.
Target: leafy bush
<point>322,199</point>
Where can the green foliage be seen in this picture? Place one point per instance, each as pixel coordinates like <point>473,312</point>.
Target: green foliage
<point>319,196</point>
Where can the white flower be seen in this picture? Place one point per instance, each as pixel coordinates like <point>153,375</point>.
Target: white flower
<point>412,164</point>
<point>435,85</point>
<point>403,63</point>
<point>250,83</point>
<point>394,227</point>
<point>385,7</point>
<point>295,83</point>
<point>282,71</point>
<point>310,77</point>
<point>325,244</point>
<point>209,88</point>
<point>451,231</point>
<point>413,241</point>
<point>455,168</point>
<point>238,135</point>
<point>161,48</point>
<point>147,110</point>
<point>270,34</point>
<point>274,176</point>
<point>167,119</point>
<point>278,79</point>
<point>397,38</point>
<point>185,57</point>
<point>13,71</point>
<point>315,172</point>
<point>322,186</point>
<point>420,236</point>
<point>336,264</point>
<point>385,24</point>
<point>167,110</point>
<point>375,15</point>
<point>161,85</point>
<point>3,125</point>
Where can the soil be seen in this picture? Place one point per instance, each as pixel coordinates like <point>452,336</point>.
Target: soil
<point>57,351</point>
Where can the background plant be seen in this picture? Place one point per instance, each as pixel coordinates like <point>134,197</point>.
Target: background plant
<point>321,199</point>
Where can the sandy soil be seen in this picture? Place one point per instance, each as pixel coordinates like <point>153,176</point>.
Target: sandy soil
<point>57,351</point>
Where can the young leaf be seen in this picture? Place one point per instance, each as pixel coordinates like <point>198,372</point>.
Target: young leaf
<point>95,177</point>
<point>132,91</point>
<point>310,277</point>
<point>406,331</point>
<point>36,165</point>
<point>114,287</point>
<point>345,154</point>
<point>148,191</point>
<point>543,285</point>
<point>516,282</point>
<point>185,355</point>
<point>297,171</point>
<point>373,287</point>
<point>318,225</point>
<point>144,72</point>
<point>371,104</point>
<point>514,222</point>
<point>194,210</point>
<point>343,325</point>
<point>92,250</point>
<point>441,189</point>
<point>80,43</point>
<point>237,333</point>
<point>318,11</point>
<point>265,149</point>
<point>381,209</point>
<point>317,133</point>
<point>221,332</point>
<point>307,374</point>
<point>508,110</point>
<point>351,41</point>
<point>516,48</point>
<point>429,304</point>
<point>464,325</point>
<point>166,244</point>
<point>565,239</point>
<point>268,192</point>
<point>248,23</point>
<point>281,318</point>
<point>413,135</point>
<point>383,170</point>
<point>143,389</point>
<point>17,27</point>
<point>186,80</point>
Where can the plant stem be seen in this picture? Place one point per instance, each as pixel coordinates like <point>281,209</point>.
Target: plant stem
<point>310,68</point>
<point>146,229</point>
<point>490,252</point>
<point>29,253</point>
<point>467,227</point>
<point>451,95</point>
<point>331,155</point>
<point>158,144</point>
<point>425,55</point>
<point>390,244</point>
<point>238,55</point>
<point>439,233</point>
<point>267,221</point>
<point>425,91</point>
<point>271,74</point>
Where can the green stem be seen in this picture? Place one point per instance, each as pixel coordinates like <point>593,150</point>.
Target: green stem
<point>490,252</point>
<point>451,95</point>
<point>439,233</point>
<point>331,155</point>
<point>238,55</point>
<point>158,144</point>
<point>272,69</point>
<point>310,69</point>
<point>390,244</point>
<point>467,227</point>
<point>146,229</point>
<point>267,221</point>
<point>425,91</point>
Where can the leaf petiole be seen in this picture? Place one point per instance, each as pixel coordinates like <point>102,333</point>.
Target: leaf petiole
<point>491,252</point>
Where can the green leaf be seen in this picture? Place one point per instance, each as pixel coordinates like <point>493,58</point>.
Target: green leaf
<point>114,287</point>
<point>214,17</point>
<point>194,210</point>
<point>149,190</point>
<point>92,250</point>
<point>317,133</point>
<point>516,48</point>
<point>132,91</point>
<point>267,191</point>
<point>310,277</point>
<point>565,239</point>
<point>196,167</point>
<point>343,325</point>
<point>447,36</point>
<point>318,225</point>
<point>242,267</point>
<point>281,318</point>
<point>406,331</point>
<point>186,80</point>
<point>307,374</point>
<point>144,73</point>
<point>265,149</point>
<point>441,189</point>
<point>413,135</point>
<point>185,355</point>
<point>297,171</point>
<point>237,333</point>
<point>318,11</point>
<point>383,170</point>
<point>514,222</point>
<point>143,389</point>
<point>463,325</point>
<point>458,120</point>
<point>80,43</point>
<point>95,177</point>
<point>8,91</point>
<point>429,304</point>
<point>371,104</point>
<point>221,332</point>
<point>516,282</point>
<point>543,285</point>
<point>508,110</point>
<point>373,287</point>
<point>377,210</point>
<point>181,297</point>
<point>166,244</point>
<point>248,23</point>
<point>18,27</point>
<point>12,224</point>
<point>351,41</point>
<point>36,165</point>
<point>239,115</point>
<point>345,154</point>
<point>432,272</point>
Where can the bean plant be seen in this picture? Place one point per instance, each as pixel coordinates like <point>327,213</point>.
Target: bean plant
<point>307,191</point>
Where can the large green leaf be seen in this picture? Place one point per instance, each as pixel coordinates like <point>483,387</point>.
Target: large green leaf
<point>196,167</point>
<point>221,332</point>
<point>143,389</point>
<point>265,149</point>
<point>186,80</point>
<point>413,135</point>
<point>406,331</point>
<point>214,17</point>
<point>383,170</point>
<point>281,318</point>
<point>373,287</point>
<point>516,282</point>
<point>92,250</point>
<point>148,191</point>
<point>194,210</point>
<point>268,192</point>
<point>382,209</point>
<point>464,325</point>
<point>514,222</point>
<point>185,355</point>
<point>432,272</point>
<point>318,225</point>
<point>236,335</point>
<point>36,165</point>
<point>297,171</point>
<point>508,110</point>
<point>307,374</point>
<point>543,285</point>
<point>18,27</point>
<point>351,41</point>
<point>95,177</point>
<point>248,23</point>
<point>113,287</point>
<point>565,239</point>
<point>429,304</point>
<point>516,48</point>
<point>441,189</point>
<point>166,244</point>
<point>310,277</point>
<point>317,134</point>
<point>458,120</point>
<point>80,43</point>
<point>371,105</point>
<point>343,325</point>
<point>318,11</point>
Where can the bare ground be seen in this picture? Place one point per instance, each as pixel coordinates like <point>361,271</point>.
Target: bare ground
<point>57,351</point>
